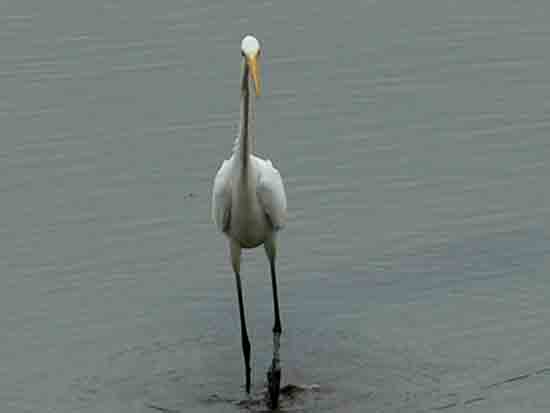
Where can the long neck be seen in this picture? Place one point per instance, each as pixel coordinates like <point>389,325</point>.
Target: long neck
<point>245,149</point>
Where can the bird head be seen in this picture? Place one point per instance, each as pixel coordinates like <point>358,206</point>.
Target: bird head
<point>250,49</point>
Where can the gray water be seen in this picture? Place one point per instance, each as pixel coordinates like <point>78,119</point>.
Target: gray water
<point>413,138</point>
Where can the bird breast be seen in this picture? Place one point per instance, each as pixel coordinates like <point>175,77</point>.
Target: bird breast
<point>249,224</point>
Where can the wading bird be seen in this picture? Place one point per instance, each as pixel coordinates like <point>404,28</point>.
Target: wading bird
<point>249,207</point>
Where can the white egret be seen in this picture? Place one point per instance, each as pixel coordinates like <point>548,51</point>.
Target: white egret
<point>249,207</point>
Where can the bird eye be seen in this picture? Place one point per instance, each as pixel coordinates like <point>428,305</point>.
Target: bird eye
<point>242,53</point>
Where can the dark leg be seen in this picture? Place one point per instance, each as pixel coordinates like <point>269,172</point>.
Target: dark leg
<point>277,330</point>
<point>274,373</point>
<point>244,333</point>
<point>236,262</point>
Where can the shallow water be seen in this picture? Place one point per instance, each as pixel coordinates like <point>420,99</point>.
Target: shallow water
<point>413,139</point>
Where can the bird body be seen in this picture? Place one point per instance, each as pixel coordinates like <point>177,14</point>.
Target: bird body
<point>249,207</point>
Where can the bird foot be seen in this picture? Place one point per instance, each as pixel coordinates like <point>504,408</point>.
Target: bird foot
<point>274,385</point>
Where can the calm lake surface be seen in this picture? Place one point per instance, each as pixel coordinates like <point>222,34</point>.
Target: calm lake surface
<point>414,140</point>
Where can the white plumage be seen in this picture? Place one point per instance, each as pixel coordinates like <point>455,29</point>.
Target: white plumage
<point>249,207</point>
<point>266,188</point>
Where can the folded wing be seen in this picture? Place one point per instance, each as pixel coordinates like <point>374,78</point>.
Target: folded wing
<point>221,197</point>
<point>271,193</point>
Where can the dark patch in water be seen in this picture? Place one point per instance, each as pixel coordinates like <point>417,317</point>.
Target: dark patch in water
<point>489,387</point>
<point>509,380</point>
<point>473,400</point>
<point>259,402</point>
<point>292,390</point>
<point>160,409</point>
<point>543,371</point>
<point>446,406</point>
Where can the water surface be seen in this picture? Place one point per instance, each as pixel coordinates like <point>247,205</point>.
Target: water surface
<point>413,139</point>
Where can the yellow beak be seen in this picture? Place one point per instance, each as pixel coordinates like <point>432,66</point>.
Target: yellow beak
<point>255,72</point>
